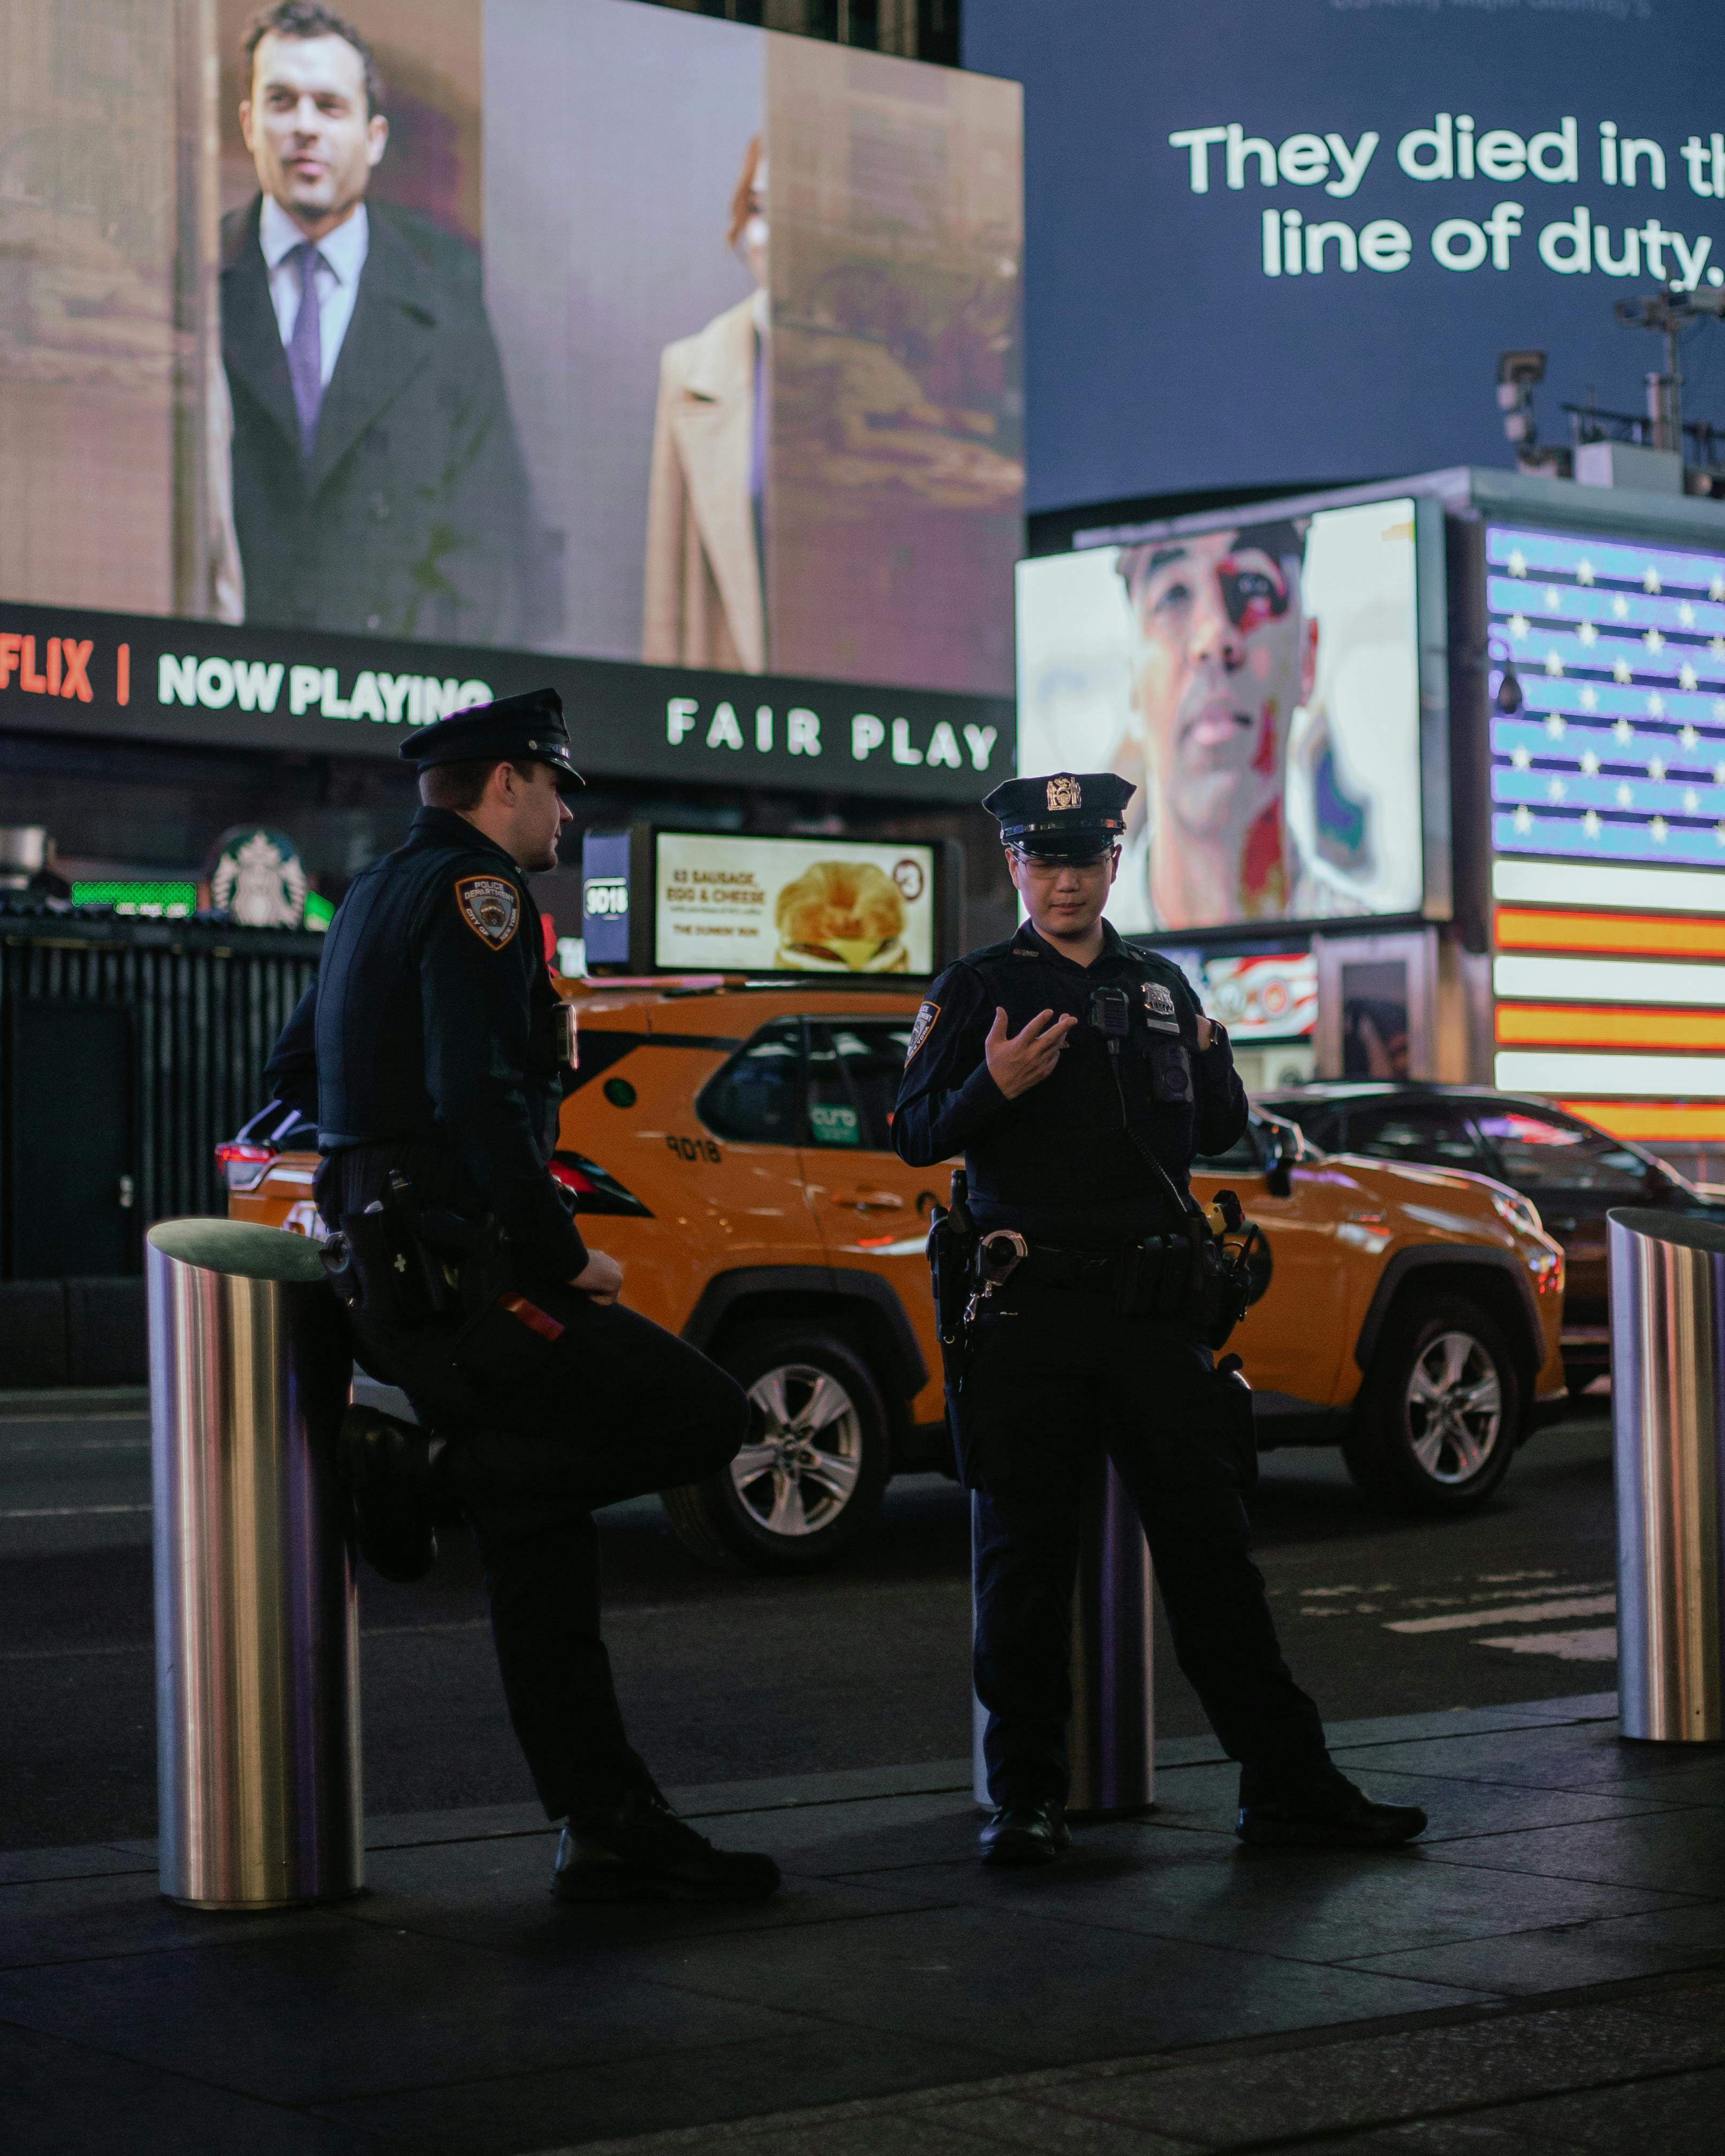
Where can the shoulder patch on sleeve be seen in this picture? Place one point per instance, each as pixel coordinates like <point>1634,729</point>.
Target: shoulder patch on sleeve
<point>926,1017</point>
<point>491,907</point>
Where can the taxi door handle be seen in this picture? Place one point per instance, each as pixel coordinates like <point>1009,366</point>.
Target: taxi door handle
<point>869,1201</point>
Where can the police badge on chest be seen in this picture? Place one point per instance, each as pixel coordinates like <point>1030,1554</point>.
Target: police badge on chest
<point>1161,1013</point>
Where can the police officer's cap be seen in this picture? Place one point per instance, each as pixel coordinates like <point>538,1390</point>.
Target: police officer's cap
<point>524,729</point>
<point>1071,814</point>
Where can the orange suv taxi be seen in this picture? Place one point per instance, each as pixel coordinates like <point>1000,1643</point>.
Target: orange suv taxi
<point>729,1145</point>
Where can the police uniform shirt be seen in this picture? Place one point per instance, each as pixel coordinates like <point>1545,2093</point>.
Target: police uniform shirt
<point>1057,1163</point>
<point>433,1026</point>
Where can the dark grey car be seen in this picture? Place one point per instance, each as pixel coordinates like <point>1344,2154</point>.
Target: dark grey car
<point>1572,1172</point>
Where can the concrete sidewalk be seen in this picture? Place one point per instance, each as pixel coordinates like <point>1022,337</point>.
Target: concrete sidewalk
<point>1546,1969</point>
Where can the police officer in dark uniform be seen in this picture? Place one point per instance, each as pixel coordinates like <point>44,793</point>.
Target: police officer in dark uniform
<point>437,1041</point>
<point>1078,1078</point>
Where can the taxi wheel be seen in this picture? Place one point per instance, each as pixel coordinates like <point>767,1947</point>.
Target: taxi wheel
<point>809,1477</point>
<point>1436,1426</point>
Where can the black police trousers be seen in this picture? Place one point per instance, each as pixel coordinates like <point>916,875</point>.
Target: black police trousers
<point>1055,1379</point>
<point>539,1432</point>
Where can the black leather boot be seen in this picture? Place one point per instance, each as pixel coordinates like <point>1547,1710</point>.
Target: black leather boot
<point>1022,1834</point>
<point>641,1850</point>
<point>386,1469</point>
<point>1327,1814</point>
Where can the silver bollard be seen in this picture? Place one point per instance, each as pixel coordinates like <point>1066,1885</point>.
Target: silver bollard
<point>1667,1426</point>
<point>257,1622</point>
<point>1110,1737</point>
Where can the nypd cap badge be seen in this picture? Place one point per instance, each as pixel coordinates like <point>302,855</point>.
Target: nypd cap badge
<point>1075,814</point>
<point>491,907</point>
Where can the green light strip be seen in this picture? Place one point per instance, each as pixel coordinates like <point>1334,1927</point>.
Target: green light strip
<point>170,901</point>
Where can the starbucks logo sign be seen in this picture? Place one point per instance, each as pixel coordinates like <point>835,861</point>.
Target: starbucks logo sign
<point>259,879</point>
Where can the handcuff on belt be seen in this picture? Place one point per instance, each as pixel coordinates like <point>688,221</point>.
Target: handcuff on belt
<point>999,1256</point>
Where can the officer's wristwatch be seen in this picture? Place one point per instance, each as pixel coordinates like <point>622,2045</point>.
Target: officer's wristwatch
<point>1218,1034</point>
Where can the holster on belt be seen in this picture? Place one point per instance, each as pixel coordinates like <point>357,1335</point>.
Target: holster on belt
<point>399,1267</point>
<point>952,1251</point>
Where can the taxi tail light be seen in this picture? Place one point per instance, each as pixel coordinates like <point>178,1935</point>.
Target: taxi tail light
<point>242,1164</point>
<point>593,1188</point>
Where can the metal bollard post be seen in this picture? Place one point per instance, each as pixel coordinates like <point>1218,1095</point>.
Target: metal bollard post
<point>1667,1426</point>
<point>1110,1737</point>
<point>257,1633</point>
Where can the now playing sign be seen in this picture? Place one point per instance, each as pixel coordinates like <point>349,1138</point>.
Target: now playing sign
<point>153,678</point>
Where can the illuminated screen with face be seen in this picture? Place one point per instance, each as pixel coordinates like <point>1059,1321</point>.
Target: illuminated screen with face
<point>1258,683</point>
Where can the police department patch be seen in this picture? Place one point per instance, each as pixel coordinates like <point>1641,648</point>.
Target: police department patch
<point>491,907</point>
<point>1065,793</point>
<point>926,1017</point>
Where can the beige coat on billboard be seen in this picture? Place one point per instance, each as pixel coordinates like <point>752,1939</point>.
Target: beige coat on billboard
<point>702,603</point>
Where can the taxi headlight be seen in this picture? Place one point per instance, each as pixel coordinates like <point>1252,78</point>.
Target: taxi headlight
<point>1518,1212</point>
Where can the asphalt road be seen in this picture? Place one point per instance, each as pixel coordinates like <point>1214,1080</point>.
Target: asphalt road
<point>725,1678</point>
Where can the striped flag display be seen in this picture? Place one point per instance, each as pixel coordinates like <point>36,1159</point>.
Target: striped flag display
<point>1607,681</point>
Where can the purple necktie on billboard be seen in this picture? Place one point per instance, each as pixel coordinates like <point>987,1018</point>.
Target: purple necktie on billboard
<point>305,349</point>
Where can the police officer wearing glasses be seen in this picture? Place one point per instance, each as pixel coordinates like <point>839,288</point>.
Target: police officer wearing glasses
<point>434,1051</point>
<point>1078,1078</point>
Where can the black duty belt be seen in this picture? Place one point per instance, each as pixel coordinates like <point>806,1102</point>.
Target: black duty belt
<point>1102,1272</point>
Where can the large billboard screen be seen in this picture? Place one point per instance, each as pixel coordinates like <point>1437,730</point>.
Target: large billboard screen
<point>1607,745</point>
<point>1283,242</point>
<point>578,328</point>
<point>1258,682</point>
<point>791,906</point>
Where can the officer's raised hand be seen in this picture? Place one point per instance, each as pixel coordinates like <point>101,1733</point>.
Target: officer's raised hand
<point>600,1279</point>
<point>1021,1060</point>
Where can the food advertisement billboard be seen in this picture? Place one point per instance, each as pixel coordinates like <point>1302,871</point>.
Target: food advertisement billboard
<point>796,905</point>
<point>1258,682</point>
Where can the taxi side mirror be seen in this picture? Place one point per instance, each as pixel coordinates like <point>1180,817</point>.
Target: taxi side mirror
<point>1278,1170</point>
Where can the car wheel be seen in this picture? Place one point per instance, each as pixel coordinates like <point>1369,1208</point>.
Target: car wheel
<point>1436,1422</point>
<point>809,1478</point>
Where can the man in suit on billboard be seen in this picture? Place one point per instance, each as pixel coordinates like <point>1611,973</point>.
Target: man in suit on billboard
<point>377,486</point>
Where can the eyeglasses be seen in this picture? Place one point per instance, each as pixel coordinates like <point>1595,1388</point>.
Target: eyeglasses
<point>1052,865</point>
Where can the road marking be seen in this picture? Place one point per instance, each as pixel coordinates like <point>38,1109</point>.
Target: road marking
<point>69,1512</point>
<point>10,1446</point>
<point>1598,1645</point>
<point>61,1654</point>
<point>25,1419</point>
<point>1529,1613</point>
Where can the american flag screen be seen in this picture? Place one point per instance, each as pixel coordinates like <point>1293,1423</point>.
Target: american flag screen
<point>1607,684</point>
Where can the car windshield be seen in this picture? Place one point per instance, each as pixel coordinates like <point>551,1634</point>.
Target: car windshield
<point>1539,1149</point>
<point>1317,1120</point>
